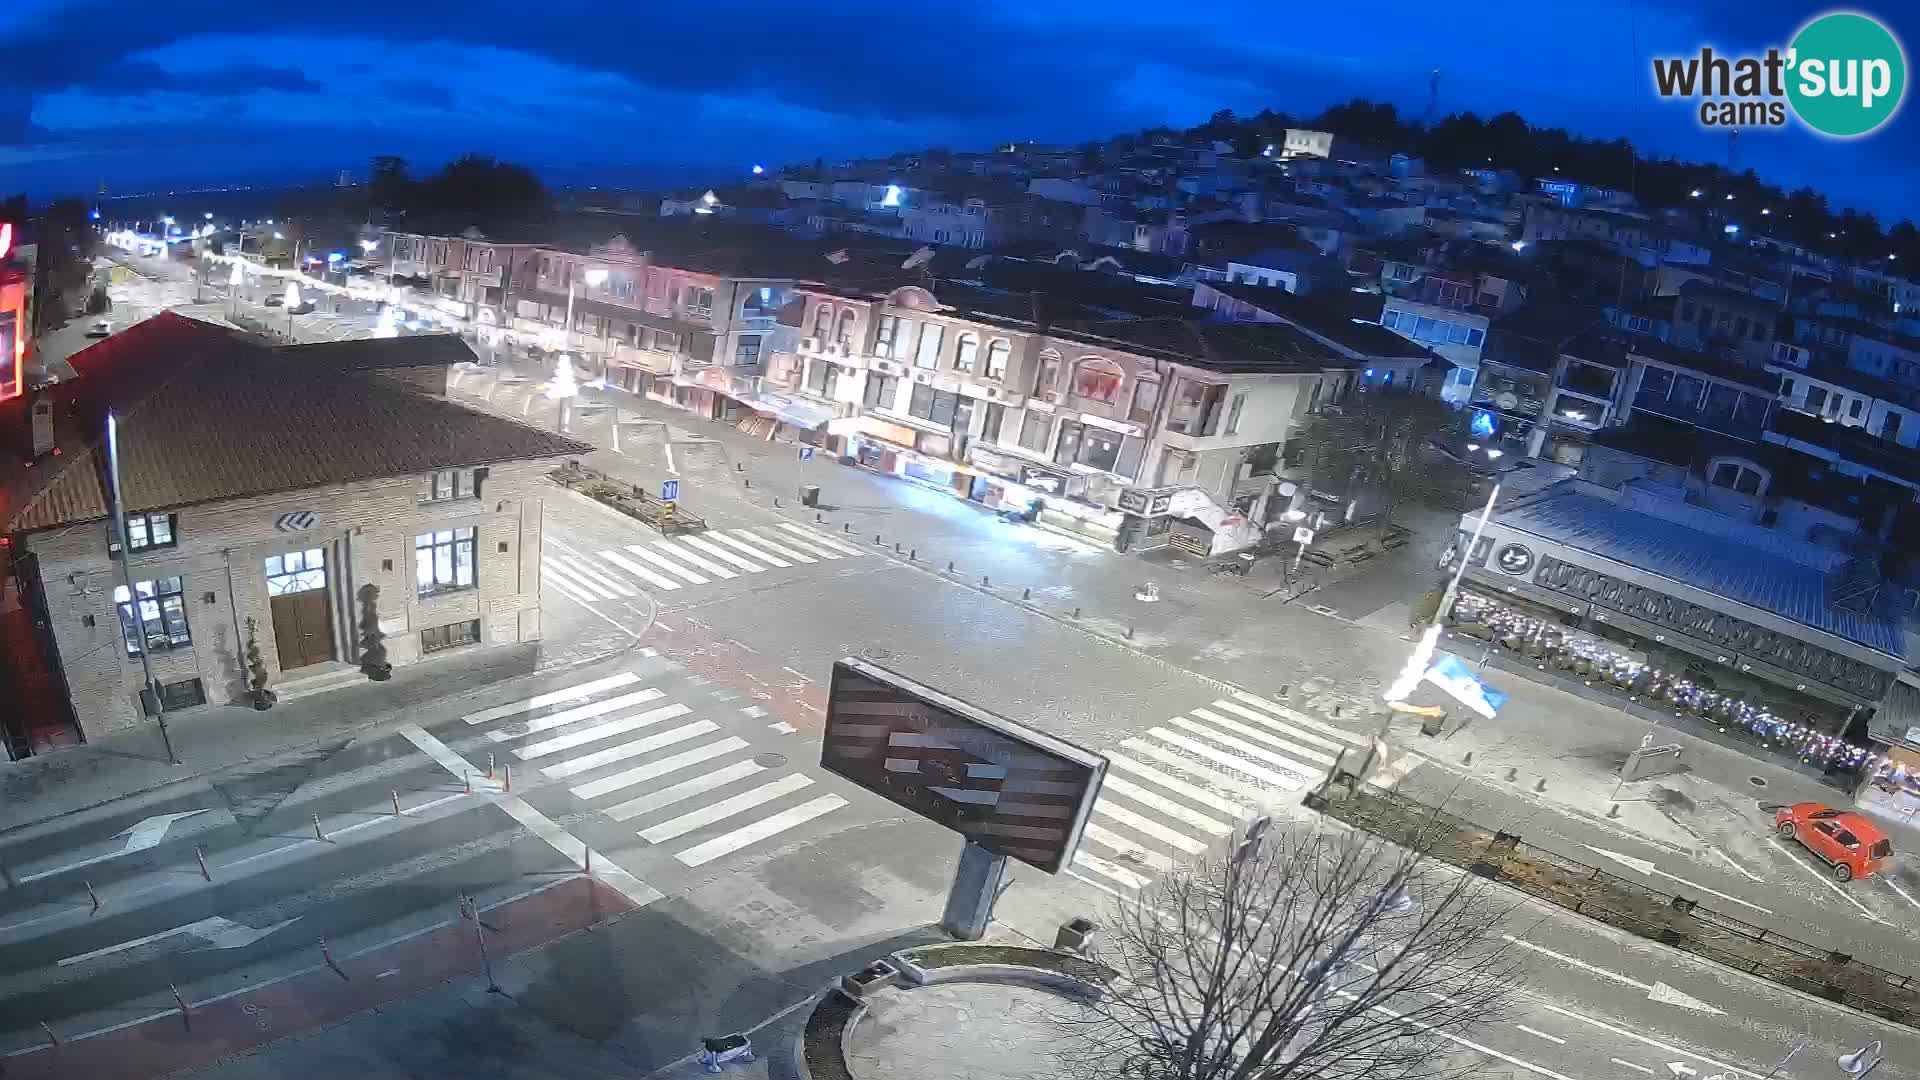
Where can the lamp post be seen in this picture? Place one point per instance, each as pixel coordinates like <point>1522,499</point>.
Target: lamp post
<point>150,701</point>
<point>595,278</point>
<point>234,281</point>
<point>1417,661</point>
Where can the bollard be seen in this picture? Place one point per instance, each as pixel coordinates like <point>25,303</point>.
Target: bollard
<point>396,804</point>
<point>1129,633</point>
<point>746,481</point>
<point>1285,690</point>
<point>913,554</point>
<point>1512,774</point>
<point>819,519</point>
<point>1540,784</point>
<point>846,526</point>
<point>508,786</point>
<point>327,955</point>
<point>984,582</point>
<point>317,834</point>
<point>51,1037</point>
<point>739,466</point>
<point>1026,594</point>
<point>1076,613</point>
<point>1467,760</point>
<point>468,775</point>
<point>586,861</point>
<point>1613,810</point>
<point>1336,710</point>
<point>489,764</point>
<point>897,545</point>
<point>949,566</point>
<point>186,1014</point>
<point>876,538</point>
<point>91,895</point>
<point>776,502</point>
<point>200,853</point>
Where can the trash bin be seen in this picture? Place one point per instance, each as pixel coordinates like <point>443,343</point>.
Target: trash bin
<point>810,495</point>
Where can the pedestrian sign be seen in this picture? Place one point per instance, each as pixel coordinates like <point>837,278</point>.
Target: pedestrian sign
<point>669,490</point>
<point>806,453</point>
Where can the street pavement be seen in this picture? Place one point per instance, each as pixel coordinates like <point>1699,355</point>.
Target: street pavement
<point>734,876</point>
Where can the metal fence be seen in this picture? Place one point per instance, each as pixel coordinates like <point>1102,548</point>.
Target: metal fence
<point>1672,919</point>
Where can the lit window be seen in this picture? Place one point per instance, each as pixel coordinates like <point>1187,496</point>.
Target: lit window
<point>443,561</point>
<point>149,531</point>
<point>447,485</point>
<point>296,572</point>
<point>997,354</point>
<point>966,353</point>
<point>1097,379</point>
<point>161,619</point>
<point>435,638</point>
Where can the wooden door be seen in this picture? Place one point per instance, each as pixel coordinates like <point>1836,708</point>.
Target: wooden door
<point>303,628</point>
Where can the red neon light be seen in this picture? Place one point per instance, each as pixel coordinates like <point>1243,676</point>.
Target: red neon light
<point>6,238</point>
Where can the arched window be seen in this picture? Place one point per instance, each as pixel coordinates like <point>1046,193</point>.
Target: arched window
<point>1048,376</point>
<point>822,322</point>
<point>1146,394</point>
<point>997,354</point>
<point>844,335</point>
<point>966,353</point>
<point>761,303</point>
<point>1096,379</point>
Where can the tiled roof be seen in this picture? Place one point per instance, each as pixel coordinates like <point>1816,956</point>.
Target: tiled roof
<point>1351,320</point>
<point>220,417</point>
<point>1784,581</point>
<point>1229,347</point>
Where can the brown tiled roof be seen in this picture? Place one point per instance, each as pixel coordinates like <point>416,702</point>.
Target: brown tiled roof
<point>219,417</point>
<point>384,354</point>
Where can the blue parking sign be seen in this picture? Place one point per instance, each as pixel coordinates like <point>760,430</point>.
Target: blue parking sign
<point>669,490</point>
<point>806,453</point>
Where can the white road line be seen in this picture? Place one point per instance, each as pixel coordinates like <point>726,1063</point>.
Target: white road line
<point>1279,725</point>
<point>606,870</point>
<point>1177,786</point>
<point>819,540</point>
<point>1114,842</point>
<point>639,571</point>
<point>1823,879</point>
<point>1145,826</point>
<point>1305,772</point>
<point>722,538</point>
<point>1261,796</point>
<point>679,552</point>
<point>1904,895</point>
<point>1646,866</point>
<point>772,535</point>
<point>1303,753</point>
<point>204,928</point>
<point>1541,1034</point>
<point>1581,964</point>
<point>520,729</point>
<point>562,576</point>
<point>759,830</point>
<point>582,567</point>
<point>721,553</point>
<point>597,732</point>
<point>699,785</point>
<point>1120,876</point>
<point>1300,718</point>
<point>1631,1065</point>
<point>552,581</point>
<point>653,769</point>
<point>754,538</point>
<point>660,561</point>
<point>1120,785</point>
<point>624,751</point>
<point>1655,1043</point>
<point>1728,859</point>
<point>725,808</point>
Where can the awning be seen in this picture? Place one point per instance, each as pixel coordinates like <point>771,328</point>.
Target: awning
<point>1897,720</point>
<point>802,414</point>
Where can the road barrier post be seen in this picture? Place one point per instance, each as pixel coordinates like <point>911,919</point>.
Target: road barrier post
<point>200,853</point>
<point>91,895</point>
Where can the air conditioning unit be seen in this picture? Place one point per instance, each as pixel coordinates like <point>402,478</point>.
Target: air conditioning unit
<point>1052,396</point>
<point>993,393</point>
<point>923,377</point>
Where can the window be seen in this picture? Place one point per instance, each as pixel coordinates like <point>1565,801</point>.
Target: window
<point>966,353</point>
<point>1097,380</point>
<point>1049,374</point>
<point>1100,449</point>
<point>1475,336</point>
<point>760,303</point>
<point>184,694</point>
<point>1589,379</point>
<point>928,355</point>
<point>296,572</point>
<point>1740,327</point>
<point>665,341</point>
<point>1732,474</point>
<point>822,378</point>
<point>997,354</point>
<point>746,353</point>
<point>1066,449</point>
<point>1390,319</point>
<point>1816,397</point>
<point>149,531</point>
<point>1855,407</point>
<point>699,301</point>
<point>1890,425</point>
<point>822,322</point>
<point>450,484</point>
<point>1639,324</point>
<point>161,620</point>
<point>889,328</point>
<point>1035,428</point>
<point>1240,402</point>
<point>990,427</point>
<point>934,406</point>
<point>1146,394</point>
<point>1424,328</point>
<point>435,638</point>
<point>883,392</point>
<point>1786,388</point>
<point>844,335</point>
<point>443,561</point>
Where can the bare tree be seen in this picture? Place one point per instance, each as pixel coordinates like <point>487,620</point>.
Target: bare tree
<point>1374,446</point>
<point>1301,952</point>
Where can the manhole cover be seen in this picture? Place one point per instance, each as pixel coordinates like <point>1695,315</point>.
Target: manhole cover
<point>1756,781</point>
<point>770,761</point>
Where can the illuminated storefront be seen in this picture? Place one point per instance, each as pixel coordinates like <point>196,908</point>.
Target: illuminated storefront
<point>16,285</point>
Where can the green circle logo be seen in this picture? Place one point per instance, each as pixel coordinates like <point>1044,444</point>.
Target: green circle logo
<point>1848,74</point>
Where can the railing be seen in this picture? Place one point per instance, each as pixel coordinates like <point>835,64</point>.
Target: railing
<point>1699,417</point>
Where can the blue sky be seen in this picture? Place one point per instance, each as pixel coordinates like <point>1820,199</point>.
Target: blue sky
<point>192,91</point>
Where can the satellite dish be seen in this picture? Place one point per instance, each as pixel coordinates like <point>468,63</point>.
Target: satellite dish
<point>977,262</point>
<point>838,257</point>
<point>1287,488</point>
<point>918,259</point>
<point>1506,400</point>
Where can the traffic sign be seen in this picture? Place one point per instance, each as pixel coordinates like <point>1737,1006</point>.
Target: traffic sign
<point>1302,535</point>
<point>806,453</point>
<point>669,490</point>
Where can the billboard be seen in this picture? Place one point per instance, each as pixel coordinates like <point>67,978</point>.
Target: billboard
<point>1012,790</point>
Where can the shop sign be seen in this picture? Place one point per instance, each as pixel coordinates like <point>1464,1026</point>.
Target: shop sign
<point>1041,480</point>
<point>899,434</point>
<point>1514,559</point>
<point>1144,503</point>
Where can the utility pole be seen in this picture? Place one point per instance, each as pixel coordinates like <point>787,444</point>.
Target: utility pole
<point>149,695</point>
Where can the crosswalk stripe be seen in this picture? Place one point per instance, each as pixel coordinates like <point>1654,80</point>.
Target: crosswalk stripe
<point>662,562</point>
<point>639,571</point>
<point>770,534</point>
<point>725,808</point>
<point>597,732</point>
<point>1280,725</point>
<point>1177,786</point>
<point>797,555</point>
<point>760,830</point>
<point>562,575</point>
<point>719,552</point>
<point>1301,718</point>
<point>1305,753</point>
<point>679,552</point>
<point>1177,811</point>
<point>583,567</point>
<point>1113,842</point>
<point>1262,796</point>
<point>1126,879</point>
<point>699,785</point>
<point>580,692</point>
<point>521,729</point>
<point>817,539</point>
<point>1146,826</point>
<point>552,581</point>
<point>653,769</point>
<point>737,544</point>
<point>589,762</point>
<point>1305,772</point>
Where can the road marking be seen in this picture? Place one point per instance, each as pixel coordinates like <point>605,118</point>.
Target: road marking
<point>1304,753</point>
<point>721,553</point>
<point>143,834</point>
<point>1279,725</point>
<point>759,830</point>
<point>658,560</point>
<point>1655,1043</point>
<point>1120,785</point>
<point>684,790</point>
<point>725,808</point>
<point>1823,879</point>
<point>1658,992</point>
<point>664,766</point>
<point>1301,718</point>
<point>1541,1034</point>
<point>818,540</point>
<point>562,576</point>
<point>582,567</point>
<point>1140,823</point>
<point>1101,836</point>
<point>1178,787</point>
<point>1126,879</point>
<point>639,571</point>
<point>604,617</point>
<point>218,932</point>
<point>576,851</point>
<point>648,745</point>
<point>597,732</point>
<point>1260,795</point>
<point>722,538</point>
<point>1631,1065</point>
<point>1646,866</point>
<point>568,716</point>
<point>802,544</point>
<point>748,536</point>
<point>679,552</point>
<point>1904,895</point>
<point>553,582</point>
<point>1226,760</point>
<point>1750,875</point>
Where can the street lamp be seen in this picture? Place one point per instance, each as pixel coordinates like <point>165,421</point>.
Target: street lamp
<point>595,278</point>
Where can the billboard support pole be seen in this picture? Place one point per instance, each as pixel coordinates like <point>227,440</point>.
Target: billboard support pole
<point>976,885</point>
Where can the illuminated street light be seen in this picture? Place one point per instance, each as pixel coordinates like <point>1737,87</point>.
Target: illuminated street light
<point>1766,210</point>
<point>1519,245</point>
<point>758,169</point>
<point>209,215</point>
<point>1695,193</point>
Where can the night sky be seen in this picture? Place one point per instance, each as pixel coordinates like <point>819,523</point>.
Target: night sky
<point>187,92</point>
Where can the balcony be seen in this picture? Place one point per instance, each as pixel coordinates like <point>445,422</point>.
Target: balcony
<point>1838,442</point>
<point>659,363</point>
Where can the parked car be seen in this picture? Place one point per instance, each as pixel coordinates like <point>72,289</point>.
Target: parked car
<point>101,328</point>
<point>1848,843</point>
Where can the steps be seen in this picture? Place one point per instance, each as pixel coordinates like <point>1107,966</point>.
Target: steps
<point>317,679</point>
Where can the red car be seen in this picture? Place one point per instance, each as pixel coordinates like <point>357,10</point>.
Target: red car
<point>1848,843</point>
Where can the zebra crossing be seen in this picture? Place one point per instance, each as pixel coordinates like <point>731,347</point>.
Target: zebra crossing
<point>654,765</point>
<point>1186,786</point>
<point>684,561</point>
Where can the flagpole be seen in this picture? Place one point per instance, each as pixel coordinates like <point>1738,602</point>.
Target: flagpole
<point>133,596</point>
<point>1422,654</point>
